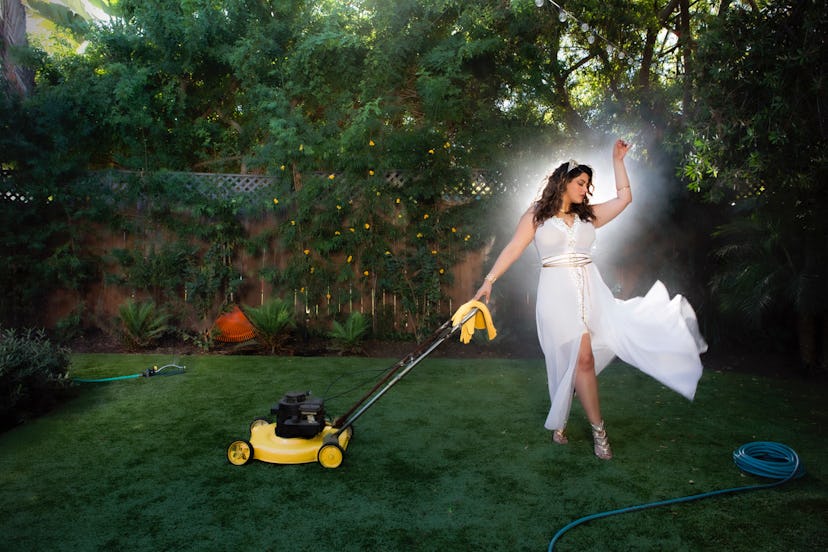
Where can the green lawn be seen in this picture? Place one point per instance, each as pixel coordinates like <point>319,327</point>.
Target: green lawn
<point>453,458</point>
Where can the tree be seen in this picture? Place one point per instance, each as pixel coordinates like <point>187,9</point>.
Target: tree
<point>759,145</point>
<point>330,97</point>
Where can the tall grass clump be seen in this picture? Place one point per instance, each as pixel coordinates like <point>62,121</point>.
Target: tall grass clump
<point>33,375</point>
<point>272,323</point>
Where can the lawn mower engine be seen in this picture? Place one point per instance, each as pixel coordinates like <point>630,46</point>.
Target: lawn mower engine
<point>299,415</point>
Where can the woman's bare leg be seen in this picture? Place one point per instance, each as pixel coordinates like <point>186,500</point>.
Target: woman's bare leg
<point>586,383</point>
<point>586,386</point>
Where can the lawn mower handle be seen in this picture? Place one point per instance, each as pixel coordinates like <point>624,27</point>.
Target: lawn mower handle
<point>394,375</point>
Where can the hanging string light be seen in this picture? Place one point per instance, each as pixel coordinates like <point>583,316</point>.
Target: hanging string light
<point>563,15</point>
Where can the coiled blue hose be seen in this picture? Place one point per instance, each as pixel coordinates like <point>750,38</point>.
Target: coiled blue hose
<point>763,458</point>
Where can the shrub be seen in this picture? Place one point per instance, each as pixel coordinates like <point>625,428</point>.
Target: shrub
<point>272,323</point>
<point>142,324</point>
<point>33,375</point>
<point>348,337</point>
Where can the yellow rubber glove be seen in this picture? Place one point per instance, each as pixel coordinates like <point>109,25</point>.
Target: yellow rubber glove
<point>482,319</point>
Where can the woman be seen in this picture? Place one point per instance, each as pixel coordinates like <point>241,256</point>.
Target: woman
<point>581,326</point>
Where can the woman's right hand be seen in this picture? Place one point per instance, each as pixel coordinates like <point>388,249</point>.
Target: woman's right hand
<point>485,291</point>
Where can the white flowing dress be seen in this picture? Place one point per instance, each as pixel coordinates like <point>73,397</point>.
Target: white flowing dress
<point>654,333</point>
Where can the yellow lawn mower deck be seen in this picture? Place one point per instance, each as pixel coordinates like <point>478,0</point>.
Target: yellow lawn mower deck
<point>327,447</point>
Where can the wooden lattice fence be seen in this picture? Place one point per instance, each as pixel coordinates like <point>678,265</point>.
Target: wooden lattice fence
<point>228,185</point>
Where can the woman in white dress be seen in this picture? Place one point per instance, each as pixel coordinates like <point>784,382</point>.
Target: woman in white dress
<point>581,326</point>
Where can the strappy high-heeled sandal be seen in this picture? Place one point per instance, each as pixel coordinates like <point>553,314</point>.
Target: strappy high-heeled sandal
<point>559,437</point>
<point>599,437</point>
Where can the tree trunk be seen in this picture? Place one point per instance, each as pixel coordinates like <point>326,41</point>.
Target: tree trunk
<point>687,53</point>
<point>13,36</point>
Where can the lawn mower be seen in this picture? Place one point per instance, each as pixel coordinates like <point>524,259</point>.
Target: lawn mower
<point>301,432</point>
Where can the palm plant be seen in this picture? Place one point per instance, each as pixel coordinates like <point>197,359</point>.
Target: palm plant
<point>765,271</point>
<point>348,337</point>
<point>142,324</point>
<point>271,323</point>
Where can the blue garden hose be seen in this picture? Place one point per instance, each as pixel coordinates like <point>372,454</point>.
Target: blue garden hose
<point>762,458</point>
<point>149,372</point>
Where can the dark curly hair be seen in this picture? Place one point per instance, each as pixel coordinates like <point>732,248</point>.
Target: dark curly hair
<point>552,197</point>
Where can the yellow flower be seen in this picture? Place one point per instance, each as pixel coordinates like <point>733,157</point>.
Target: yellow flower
<point>453,230</point>
<point>349,259</point>
<point>331,176</point>
<point>425,216</point>
<point>306,251</point>
<point>367,226</point>
<point>311,270</point>
<point>446,145</point>
<point>282,167</point>
<point>467,238</point>
<point>397,201</point>
<point>365,273</point>
<point>433,251</point>
<point>371,143</point>
<point>419,235</point>
<point>339,207</point>
<point>302,289</point>
<point>431,151</point>
<point>301,147</point>
<point>293,223</point>
<point>387,252</point>
<point>275,201</point>
<point>337,233</point>
<point>351,229</point>
<point>371,172</point>
<point>50,198</point>
<point>328,296</point>
<point>442,271</point>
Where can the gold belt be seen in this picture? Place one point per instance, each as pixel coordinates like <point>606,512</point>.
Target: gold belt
<point>573,260</point>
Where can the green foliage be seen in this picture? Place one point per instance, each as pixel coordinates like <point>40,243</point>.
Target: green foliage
<point>272,323</point>
<point>347,337</point>
<point>758,144</point>
<point>754,129</point>
<point>141,323</point>
<point>437,90</point>
<point>70,327</point>
<point>162,271</point>
<point>33,375</point>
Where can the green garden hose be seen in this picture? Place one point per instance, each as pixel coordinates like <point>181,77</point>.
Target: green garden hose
<point>172,369</point>
<point>762,458</point>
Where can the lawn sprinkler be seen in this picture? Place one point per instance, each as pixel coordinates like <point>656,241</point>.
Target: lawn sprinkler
<point>301,433</point>
<point>166,370</point>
